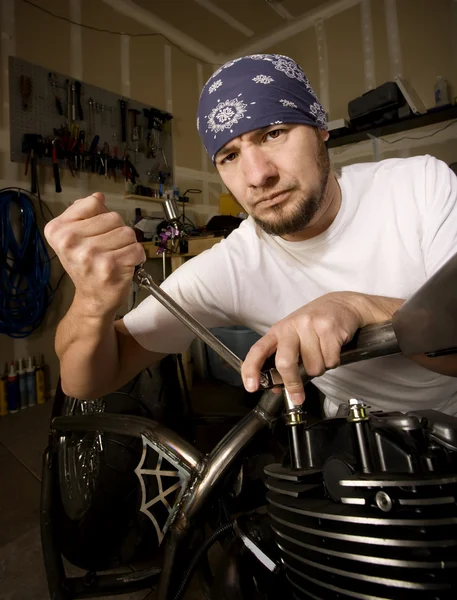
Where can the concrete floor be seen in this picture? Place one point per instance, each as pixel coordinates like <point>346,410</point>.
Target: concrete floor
<point>23,438</point>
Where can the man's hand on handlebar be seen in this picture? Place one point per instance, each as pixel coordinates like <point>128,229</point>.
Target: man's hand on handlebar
<point>314,335</point>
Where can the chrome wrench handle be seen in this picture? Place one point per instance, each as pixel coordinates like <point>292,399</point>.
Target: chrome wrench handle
<point>268,379</point>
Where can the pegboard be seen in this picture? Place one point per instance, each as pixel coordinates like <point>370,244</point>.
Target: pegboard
<point>37,113</point>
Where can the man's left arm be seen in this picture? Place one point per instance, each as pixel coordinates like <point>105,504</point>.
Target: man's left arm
<point>375,309</point>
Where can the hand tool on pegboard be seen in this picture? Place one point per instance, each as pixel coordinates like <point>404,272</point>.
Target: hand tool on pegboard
<point>135,136</point>
<point>92,153</point>
<point>25,87</point>
<point>53,84</point>
<point>79,108</point>
<point>73,101</point>
<point>55,167</point>
<point>104,160</point>
<point>151,149</point>
<point>68,90</point>
<point>113,163</point>
<point>128,170</point>
<point>32,145</point>
<point>91,116</point>
<point>67,145</point>
<point>123,105</point>
<point>73,146</point>
<point>81,148</point>
<point>135,133</point>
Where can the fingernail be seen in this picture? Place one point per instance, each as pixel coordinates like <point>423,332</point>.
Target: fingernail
<point>250,384</point>
<point>297,398</point>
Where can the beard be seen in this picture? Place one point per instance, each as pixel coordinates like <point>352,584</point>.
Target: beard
<point>287,222</point>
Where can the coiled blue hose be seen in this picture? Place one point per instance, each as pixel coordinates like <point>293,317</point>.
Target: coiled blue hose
<point>25,268</point>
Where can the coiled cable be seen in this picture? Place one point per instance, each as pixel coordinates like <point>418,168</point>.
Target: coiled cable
<point>25,266</point>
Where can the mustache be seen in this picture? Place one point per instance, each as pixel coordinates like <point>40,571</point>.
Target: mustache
<point>271,195</point>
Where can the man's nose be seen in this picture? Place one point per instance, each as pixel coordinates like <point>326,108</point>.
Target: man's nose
<point>258,167</point>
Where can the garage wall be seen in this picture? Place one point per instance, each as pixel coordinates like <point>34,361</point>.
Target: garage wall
<point>369,43</point>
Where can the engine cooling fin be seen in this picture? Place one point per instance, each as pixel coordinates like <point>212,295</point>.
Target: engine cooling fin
<point>345,534</point>
<point>333,550</point>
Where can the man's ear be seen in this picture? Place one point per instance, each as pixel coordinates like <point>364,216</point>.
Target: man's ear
<point>325,134</point>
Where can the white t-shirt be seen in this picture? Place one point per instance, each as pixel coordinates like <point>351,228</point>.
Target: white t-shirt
<point>396,226</point>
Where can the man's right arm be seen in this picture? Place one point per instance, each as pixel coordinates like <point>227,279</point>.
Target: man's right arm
<point>97,355</point>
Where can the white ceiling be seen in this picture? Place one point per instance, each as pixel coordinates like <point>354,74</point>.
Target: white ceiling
<point>215,30</point>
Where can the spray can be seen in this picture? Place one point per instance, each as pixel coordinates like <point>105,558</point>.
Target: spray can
<point>4,393</point>
<point>31,383</point>
<point>39,381</point>
<point>22,376</point>
<point>13,390</point>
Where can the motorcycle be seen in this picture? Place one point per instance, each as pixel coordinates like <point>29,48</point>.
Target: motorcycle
<point>362,505</point>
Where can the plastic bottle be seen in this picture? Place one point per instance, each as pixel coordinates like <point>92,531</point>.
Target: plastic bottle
<point>31,383</point>
<point>39,380</point>
<point>441,92</point>
<point>22,378</point>
<point>4,393</point>
<point>175,190</point>
<point>13,390</point>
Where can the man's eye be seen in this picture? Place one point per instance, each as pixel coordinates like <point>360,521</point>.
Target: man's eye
<point>229,158</point>
<point>275,133</point>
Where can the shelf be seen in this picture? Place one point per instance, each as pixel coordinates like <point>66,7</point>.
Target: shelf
<point>196,245</point>
<point>148,199</point>
<point>435,116</point>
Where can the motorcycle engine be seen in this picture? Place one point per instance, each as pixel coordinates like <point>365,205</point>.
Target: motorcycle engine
<point>373,512</point>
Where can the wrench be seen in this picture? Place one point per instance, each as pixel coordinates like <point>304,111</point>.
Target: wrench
<point>268,379</point>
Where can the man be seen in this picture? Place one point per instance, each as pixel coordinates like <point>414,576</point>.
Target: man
<point>320,255</point>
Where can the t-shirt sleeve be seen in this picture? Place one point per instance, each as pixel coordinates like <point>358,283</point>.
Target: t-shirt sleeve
<point>439,240</point>
<point>203,287</point>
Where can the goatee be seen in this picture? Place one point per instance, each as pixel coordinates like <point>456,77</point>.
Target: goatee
<point>309,205</point>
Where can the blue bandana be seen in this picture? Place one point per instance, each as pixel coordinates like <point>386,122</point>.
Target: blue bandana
<point>253,92</point>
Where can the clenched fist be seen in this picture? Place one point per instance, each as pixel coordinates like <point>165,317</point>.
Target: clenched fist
<point>98,251</point>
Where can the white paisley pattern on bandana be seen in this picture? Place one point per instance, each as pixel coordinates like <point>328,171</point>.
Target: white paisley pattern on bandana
<point>318,112</point>
<point>214,86</point>
<point>261,57</point>
<point>289,68</point>
<point>225,115</point>
<point>265,79</point>
<point>288,103</point>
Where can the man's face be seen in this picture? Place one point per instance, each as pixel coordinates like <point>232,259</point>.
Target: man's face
<point>278,174</point>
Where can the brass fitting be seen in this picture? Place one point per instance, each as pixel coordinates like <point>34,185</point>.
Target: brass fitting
<point>357,411</point>
<point>294,417</point>
<point>294,414</point>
